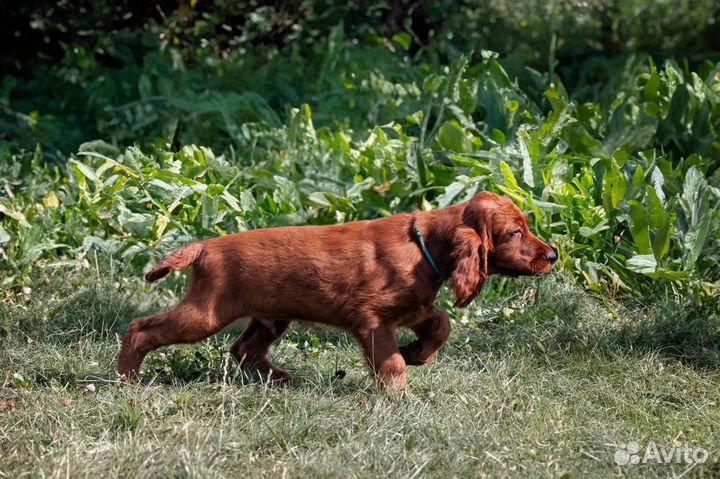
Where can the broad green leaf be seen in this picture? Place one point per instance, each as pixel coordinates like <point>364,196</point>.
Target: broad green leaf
<point>457,67</point>
<point>355,192</point>
<point>639,227</point>
<point>658,180</point>
<point>498,136</point>
<point>468,95</point>
<point>133,250</point>
<point>209,211</point>
<point>215,190</point>
<point>509,178</point>
<point>137,224</point>
<point>659,219</point>
<point>84,171</point>
<point>104,149</point>
<point>160,224</point>
<point>415,118</point>
<point>650,89</point>
<point>678,115</point>
<point>699,212</point>
<point>433,82</point>
<point>696,238</point>
<point>614,186</point>
<point>642,263</point>
<point>673,72</point>
<point>403,39</point>
<point>231,201</point>
<point>499,73</point>
<point>629,138</point>
<point>451,191</point>
<point>694,197</point>
<point>247,201</point>
<point>667,274</point>
<point>638,179</point>
<point>526,148</point>
<point>547,206</point>
<point>318,198</point>
<point>657,214</point>
<point>590,232</point>
<point>452,136</point>
<point>339,203</point>
<point>661,239</point>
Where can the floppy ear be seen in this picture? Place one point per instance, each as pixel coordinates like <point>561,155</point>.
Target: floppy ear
<point>471,257</point>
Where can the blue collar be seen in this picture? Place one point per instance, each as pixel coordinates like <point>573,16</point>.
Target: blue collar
<point>425,251</point>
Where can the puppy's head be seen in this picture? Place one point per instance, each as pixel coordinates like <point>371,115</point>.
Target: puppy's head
<point>495,239</point>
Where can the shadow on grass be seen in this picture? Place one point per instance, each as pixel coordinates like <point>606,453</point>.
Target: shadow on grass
<point>559,321</point>
<point>65,314</point>
<point>564,320</point>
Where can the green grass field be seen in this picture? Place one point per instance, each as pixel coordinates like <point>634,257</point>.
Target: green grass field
<point>547,381</point>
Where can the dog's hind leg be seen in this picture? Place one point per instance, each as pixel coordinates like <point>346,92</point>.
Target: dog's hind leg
<point>187,323</point>
<point>432,331</point>
<point>251,348</point>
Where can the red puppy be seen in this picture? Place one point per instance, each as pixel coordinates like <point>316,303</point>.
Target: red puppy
<point>368,277</point>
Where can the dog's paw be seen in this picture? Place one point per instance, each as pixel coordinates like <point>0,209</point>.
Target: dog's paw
<point>278,377</point>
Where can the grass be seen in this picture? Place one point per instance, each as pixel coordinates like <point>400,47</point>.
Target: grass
<point>546,381</point>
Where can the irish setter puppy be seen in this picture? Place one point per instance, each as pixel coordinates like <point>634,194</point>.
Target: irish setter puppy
<point>367,277</point>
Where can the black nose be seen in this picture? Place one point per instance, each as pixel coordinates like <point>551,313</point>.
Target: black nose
<point>552,255</point>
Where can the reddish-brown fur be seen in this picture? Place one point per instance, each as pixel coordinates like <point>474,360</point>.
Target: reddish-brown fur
<point>367,277</point>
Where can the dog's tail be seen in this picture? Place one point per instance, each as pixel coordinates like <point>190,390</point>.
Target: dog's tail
<point>180,259</point>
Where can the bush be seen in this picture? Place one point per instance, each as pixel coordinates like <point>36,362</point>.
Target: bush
<point>622,188</point>
<point>206,133</point>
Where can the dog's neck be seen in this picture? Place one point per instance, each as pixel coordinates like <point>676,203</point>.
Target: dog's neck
<point>438,228</point>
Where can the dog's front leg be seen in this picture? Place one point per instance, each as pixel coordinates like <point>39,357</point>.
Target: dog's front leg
<point>432,331</point>
<point>383,357</point>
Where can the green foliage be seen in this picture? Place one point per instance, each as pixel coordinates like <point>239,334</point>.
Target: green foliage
<point>622,188</point>
<point>192,363</point>
<point>210,123</point>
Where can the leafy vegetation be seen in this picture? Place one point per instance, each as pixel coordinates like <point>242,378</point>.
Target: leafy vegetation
<point>622,187</point>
